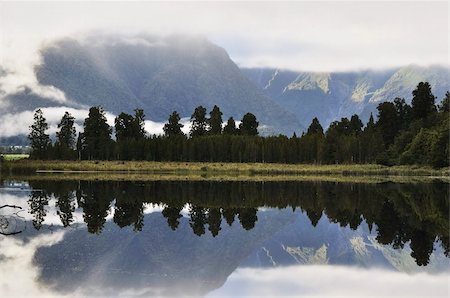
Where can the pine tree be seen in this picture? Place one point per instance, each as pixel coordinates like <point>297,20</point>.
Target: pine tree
<point>40,141</point>
<point>173,127</point>
<point>249,125</point>
<point>215,121</point>
<point>315,127</point>
<point>422,101</point>
<point>65,137</point>
<point>230,128</point>
<point>199,122</point>
<point>97,135</point>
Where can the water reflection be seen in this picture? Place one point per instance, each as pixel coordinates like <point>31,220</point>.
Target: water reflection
<point>179,237</point>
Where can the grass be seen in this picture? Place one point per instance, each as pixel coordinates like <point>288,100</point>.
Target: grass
<point>143,177</point>
<point>11,157</point>
<point>26,166</point>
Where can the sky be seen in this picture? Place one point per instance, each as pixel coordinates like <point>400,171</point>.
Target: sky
<point>310,36</point>
<point>303,36</point>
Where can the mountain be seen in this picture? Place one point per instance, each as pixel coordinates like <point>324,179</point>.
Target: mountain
<point>331,96</point>
<point>157,74</point>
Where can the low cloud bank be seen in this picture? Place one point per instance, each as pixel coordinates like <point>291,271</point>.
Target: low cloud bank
<point>336,281</point>
<point>15,124</point>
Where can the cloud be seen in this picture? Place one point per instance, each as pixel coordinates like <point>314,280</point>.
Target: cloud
<point>19,275</point>
<point>335,281</point>
<point>314,36</point>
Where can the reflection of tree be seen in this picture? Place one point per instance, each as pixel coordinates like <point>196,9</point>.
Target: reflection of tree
<point>389,226</point>
<point>66,205</point>
<point>173,215</point>
<point>95,200</point>
<point>229,214</point>
<point>214,220</point>
<point>422,247</point>
<point>248,217</point>
<point>129,211</point>
<point>400,212</point>
<point>37,202</point>
<point>198,219</point>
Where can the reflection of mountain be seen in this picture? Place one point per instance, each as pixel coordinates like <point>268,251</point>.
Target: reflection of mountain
<point>327,243</point>
<point>170,262</point>
<point>160,261</point>
<point>405,214</point>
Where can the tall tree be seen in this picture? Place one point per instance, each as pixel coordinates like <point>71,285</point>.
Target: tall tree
<point>403,112</point>
<point>97,135</point>
<point>315,127</point>
<point>387,122</point>
<point>422,101</point>
<point>199,122</point>
<point>173,126</point>
<point>40,141</point>
<point>356,124</point>
<point>65,137</point>
<point>249,125</point>
<point>123,125</point>
<point>230,128</point>
<point>129,127</point>
<point>215,121</point>
<point>445,104</point>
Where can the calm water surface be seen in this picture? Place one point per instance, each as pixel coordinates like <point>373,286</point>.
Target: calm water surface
<point>180,238</point>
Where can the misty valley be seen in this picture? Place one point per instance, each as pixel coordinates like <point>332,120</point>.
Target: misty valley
<point>196,238</point>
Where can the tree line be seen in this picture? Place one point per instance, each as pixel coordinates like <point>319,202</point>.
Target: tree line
<point>386,208</point>
<point>402,134</point>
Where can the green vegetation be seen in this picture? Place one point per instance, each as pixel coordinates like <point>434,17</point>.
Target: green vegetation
<point>402,135</point>
<point>11,157</point>
<point>226,169</point>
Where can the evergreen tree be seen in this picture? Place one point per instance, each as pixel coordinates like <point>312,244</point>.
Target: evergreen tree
<point>215,121</point>
<point>130,128</point>
<point>199,122</point>
<point>230,128</point>
<point>249,125</point>
<point>444,106</point>
<point>97,135</point>
<point>315,127</point>
<point>356,124</point>
<point>422,101</point>
<point>40,141</point>
<point>173,127</point>
<point>65,137</point>
<point>387,122</point>
<point>403,112</point>
<point>123,125</point>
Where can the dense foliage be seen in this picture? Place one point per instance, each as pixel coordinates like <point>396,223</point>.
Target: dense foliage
<point>402,134</point>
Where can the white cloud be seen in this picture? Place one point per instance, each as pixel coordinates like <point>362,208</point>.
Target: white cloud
<point>334,281</point>
<point>13,124</point>
<point>317,36</point>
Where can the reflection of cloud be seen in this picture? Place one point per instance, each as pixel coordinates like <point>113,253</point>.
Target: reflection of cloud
<point>18,274</point>
<point>321,281</point>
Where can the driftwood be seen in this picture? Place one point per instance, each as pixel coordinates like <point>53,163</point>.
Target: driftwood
<point>4,222</point>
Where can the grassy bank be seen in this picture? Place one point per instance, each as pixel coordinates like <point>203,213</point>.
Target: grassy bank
<point>26,166</point>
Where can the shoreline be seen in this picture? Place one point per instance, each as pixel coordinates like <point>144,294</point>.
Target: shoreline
<point>27,167</point>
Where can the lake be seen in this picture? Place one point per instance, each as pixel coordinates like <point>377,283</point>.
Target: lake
<point>223,238</point>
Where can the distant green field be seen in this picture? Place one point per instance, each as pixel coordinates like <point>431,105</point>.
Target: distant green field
<point>14,156</point>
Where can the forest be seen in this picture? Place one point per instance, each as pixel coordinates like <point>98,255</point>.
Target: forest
<point>398,134</point>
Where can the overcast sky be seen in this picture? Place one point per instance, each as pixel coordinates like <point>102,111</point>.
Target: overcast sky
<point>312,36</point>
